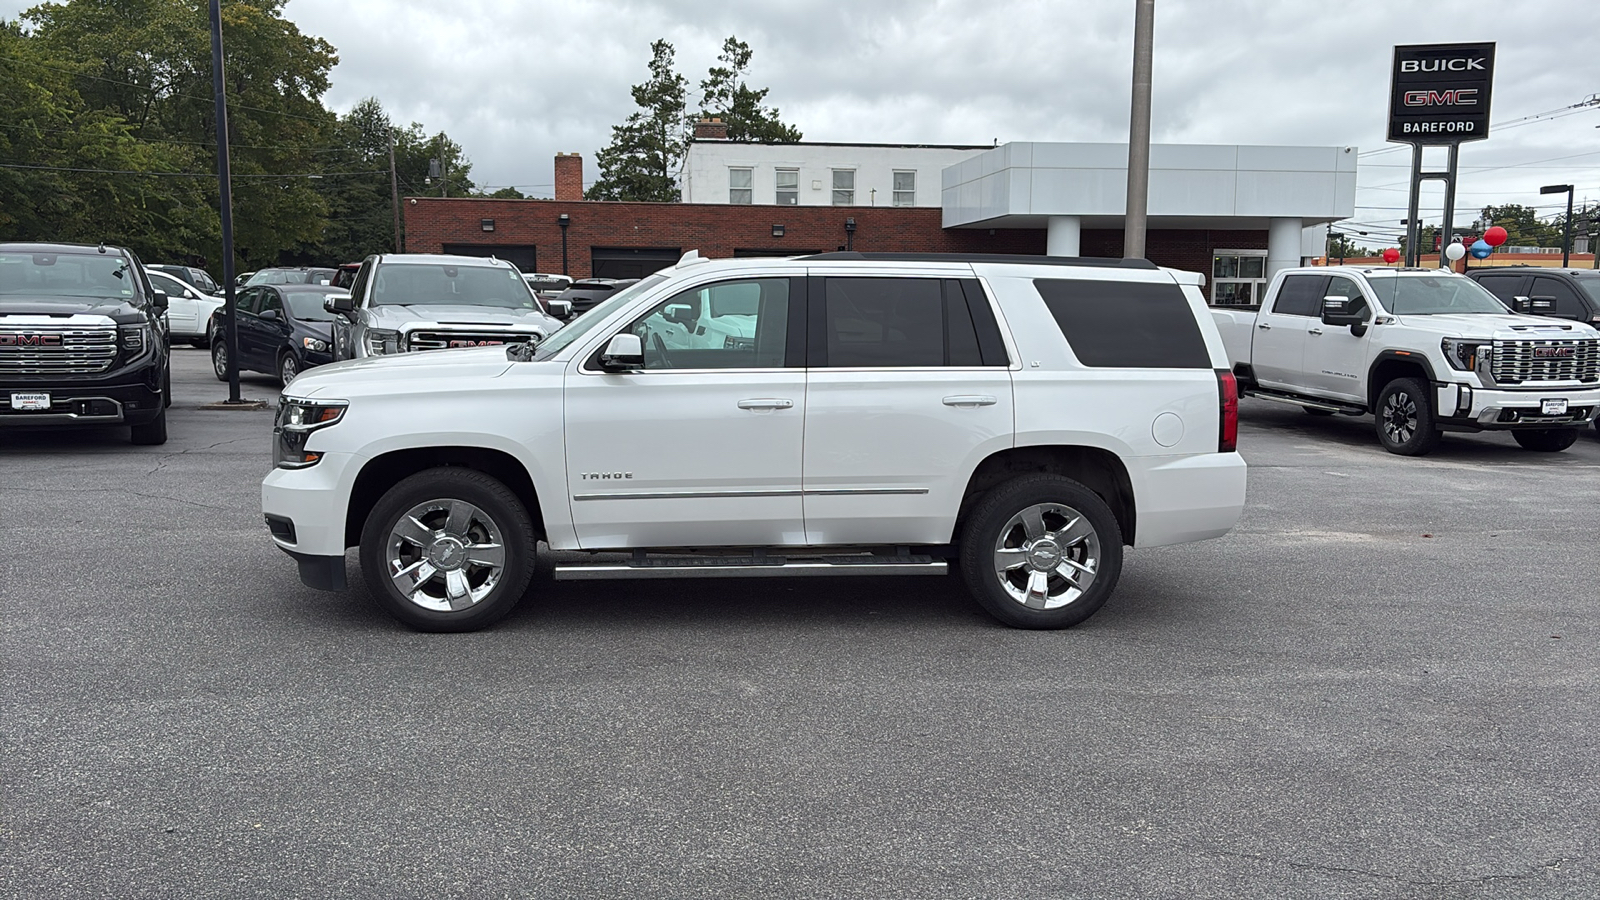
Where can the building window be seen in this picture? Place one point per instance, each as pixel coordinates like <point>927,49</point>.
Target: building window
<point>788,187</point>
<point>905,189</point>
<point>844,187</point>
<point>1238,277</point>
<point>739,182</point>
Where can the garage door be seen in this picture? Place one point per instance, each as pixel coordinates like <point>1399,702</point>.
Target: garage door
<point>630,262</point>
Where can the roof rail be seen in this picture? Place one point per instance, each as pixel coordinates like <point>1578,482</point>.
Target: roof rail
<point>1017,258</point>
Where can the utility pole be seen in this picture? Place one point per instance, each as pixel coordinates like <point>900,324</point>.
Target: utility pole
<point>394,196</point>
<point>444,170</point>
<point>225,198</point>
<point>1144,16</point>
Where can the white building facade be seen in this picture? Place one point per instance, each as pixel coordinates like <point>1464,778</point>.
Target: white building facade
<point>811,174</point>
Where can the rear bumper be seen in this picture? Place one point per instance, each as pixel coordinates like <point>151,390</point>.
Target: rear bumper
<point>1463,408</point>
<point>1191,498</point>
<point>82,404</point>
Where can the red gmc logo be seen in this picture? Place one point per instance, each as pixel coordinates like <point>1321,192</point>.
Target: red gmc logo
<point>30,340</point>
<point>1553,352</point>
<point>466,343</point>
<point>1458,97</point>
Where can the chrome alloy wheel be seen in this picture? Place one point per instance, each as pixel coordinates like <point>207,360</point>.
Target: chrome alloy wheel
<point>219,359</point>
<point>1399,417</point>
<point>1047,556</point>
<point>445,555</point>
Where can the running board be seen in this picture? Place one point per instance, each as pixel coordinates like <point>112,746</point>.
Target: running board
<point>750,567</point>
<point>1332,406</point>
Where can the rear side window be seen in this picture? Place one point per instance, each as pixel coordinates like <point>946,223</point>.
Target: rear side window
<point>1301,295</point>
<point>1120,324</point>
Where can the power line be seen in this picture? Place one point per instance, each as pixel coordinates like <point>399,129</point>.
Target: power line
<point>207,145</point>
<point>1588,104</point>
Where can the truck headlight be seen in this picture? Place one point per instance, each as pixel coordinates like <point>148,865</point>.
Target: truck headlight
<point>382,341</point>
<point>312,343</point>
<point>133,339</point>
<point>1465,355</point>
<point>296,420</point>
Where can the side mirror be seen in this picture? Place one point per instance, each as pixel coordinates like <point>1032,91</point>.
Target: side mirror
<point>269,315</point>
<point>624,353</point>
<point>680,313</point>
<point>159,299</point>
<point>1339,312</point>
<point>561,309</point>
<point>340,304</point>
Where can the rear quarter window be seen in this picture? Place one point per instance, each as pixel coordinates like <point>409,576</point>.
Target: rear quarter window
<point>1120,324</point>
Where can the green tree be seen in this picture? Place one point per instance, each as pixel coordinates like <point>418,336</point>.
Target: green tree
<point>1341,247</point>
<point>1522,225</point>
<point>360,208</point>
<point>725,94</point>
<point>646,151</point>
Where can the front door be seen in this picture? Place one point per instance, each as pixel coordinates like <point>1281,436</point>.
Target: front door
<point>701,447</point>
<point>899,408</point>
<point>1335,358</point>
<point>1277,352</point>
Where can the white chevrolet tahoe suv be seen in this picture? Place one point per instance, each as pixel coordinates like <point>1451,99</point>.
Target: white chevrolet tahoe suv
<point>1423,350</point>
<point>840,414</point>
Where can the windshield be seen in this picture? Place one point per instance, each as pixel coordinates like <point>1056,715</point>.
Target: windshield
<point>1591,286</point>
<point>1434,296</point>
<point>307,306</point>
<point>412,284</point>
<point>291,276</point>
<point>593,317</point>
<point>91,275</point>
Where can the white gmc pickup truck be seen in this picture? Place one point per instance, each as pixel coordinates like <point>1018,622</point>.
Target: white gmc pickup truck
<point>1424,350</point>
<point>839,414</point>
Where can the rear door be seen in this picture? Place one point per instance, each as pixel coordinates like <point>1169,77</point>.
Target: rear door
<point>1277,354</point>
<point>908,389</point>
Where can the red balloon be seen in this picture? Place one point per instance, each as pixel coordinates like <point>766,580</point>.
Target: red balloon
<point>1391,255</point>
<point>1494,236</point>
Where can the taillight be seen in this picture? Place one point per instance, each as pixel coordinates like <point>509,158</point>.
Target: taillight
<point>1228,434</point>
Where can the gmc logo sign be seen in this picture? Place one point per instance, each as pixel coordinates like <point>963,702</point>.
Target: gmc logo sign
<point>30,340</point>
<point>465,343</point>
<point>1459,97</point>
<point>1553,352</point>
<point>1441,65</point>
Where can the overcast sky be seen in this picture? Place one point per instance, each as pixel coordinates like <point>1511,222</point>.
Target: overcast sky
<point>515,82</point>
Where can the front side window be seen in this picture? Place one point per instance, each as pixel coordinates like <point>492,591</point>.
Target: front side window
<point>1502,286</point>
<point>729,325</point>
<point>905,189</point>
<point>844,187</point>
<point>1347,288</point>
<point>1568,305</point>
<point>788,187</point>
<point>270,301</point>
<point>417,284</point>
<point>740,186</point>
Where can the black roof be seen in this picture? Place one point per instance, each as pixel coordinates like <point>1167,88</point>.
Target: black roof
<point>1016,258</point>
<point>1529,268</point>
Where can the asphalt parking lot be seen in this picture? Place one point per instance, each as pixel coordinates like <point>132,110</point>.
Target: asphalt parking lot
<point>1382,684</point>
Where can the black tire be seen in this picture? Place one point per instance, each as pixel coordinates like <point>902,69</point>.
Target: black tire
<point>288,367</point>
<point>443,489</point>
<point>200,343</point>
<point>1312,410</point>
<point>219,359</point>
<point>166,386</point>
<point>151,433</point>
<point>995,527</point>
<point>1546,440</point>
<point>1404,418</point>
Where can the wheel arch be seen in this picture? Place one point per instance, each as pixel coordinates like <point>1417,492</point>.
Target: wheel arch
<point>1391,364</point>
<point>1096,468</point>
<point>387,469</point>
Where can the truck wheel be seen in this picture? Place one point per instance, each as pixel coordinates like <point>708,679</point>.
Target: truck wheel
<point>1546,440</point>
<point>152,432</point>
<point>219,359</point>
<point>448,549</point>
<point>1041,551</point>
<point>1405,418</point>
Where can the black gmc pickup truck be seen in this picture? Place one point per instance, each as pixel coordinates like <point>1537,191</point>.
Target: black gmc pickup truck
<point>82,340</point>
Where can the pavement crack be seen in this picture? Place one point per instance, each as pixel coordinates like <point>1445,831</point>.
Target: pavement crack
<point>168,457</point>
<point>115,491</point>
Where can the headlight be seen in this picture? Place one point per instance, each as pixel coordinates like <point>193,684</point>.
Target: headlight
<point>133,339</point>
<point>296,420</point>
<point>312,343</point>
<point>1464,354</point>
<point>381,341</point>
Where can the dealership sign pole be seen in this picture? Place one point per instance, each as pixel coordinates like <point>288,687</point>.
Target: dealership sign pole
<point>1438,96</point>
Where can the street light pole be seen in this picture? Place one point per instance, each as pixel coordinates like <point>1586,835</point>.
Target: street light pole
<point>225,203</point>
<point>1133,240</point>
<point>1566,231</point>
<point>394,196</point>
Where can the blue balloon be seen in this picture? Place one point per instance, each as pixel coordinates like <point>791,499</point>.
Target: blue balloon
<point>1480,249</point>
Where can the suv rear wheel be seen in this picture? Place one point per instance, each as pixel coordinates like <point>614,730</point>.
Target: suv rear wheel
<point>1405,418</point>
<point>1041,551</point>
<point>1546,440</point>
<point>448,549</point>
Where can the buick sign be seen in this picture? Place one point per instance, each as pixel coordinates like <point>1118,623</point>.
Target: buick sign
<point>1439,93</point>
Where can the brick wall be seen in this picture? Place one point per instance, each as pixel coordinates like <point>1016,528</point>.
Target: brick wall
<point>569,176</point>
<point>718,230</point>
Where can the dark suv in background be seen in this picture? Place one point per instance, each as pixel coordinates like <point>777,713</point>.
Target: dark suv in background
<point>82,340</point>
<point>1560,293</point>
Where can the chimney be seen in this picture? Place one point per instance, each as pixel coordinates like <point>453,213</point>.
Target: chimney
<point>712,129</point>
<point>569,176</point>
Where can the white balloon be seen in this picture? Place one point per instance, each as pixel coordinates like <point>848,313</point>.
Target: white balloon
<point>1455,251</point>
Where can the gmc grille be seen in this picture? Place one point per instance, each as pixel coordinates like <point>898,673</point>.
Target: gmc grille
<point>443,340</point>
<point>34,350</point>
<point>1523,362</point>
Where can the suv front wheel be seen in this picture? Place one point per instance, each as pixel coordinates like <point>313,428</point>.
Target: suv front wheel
<point>1041,551</point>
<point>448,549</point>
<point>1405,418</point>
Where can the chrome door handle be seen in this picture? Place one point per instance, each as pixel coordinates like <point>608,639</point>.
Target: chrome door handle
<point>1263,326</point>
<point>1313,331</point>
<point>970,400</point>
<point>766,403</point>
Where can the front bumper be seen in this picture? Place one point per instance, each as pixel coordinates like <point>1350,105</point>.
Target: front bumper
<point>1465,408</point>
<point>314,501</point>
<point>82,404</point>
